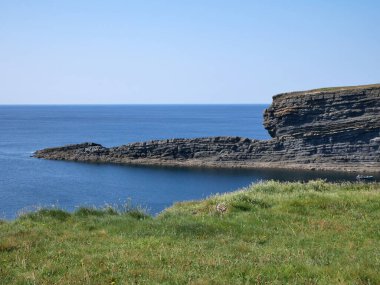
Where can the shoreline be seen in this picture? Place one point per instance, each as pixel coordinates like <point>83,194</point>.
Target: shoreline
<point>328,129</point>
<point>227,153</point>
<point>233,165</point>
<point>120,209</point>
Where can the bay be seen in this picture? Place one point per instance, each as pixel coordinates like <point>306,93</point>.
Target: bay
<point>27,183</point>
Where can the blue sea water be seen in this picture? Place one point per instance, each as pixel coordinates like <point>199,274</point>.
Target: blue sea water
<point>26,182</point>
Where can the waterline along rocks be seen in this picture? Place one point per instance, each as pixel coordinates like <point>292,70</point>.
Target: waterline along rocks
<point>322,129</point>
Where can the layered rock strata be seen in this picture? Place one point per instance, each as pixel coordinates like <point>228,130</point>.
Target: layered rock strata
<point>329,129</point>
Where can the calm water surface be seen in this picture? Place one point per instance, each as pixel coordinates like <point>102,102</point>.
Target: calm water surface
<point>26,182</point>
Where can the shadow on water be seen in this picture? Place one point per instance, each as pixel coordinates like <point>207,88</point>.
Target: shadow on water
<point>263,174</point>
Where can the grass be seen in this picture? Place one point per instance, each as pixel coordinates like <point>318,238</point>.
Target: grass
<point>346,87</point>
<point>270,233</point>
<point>330,89</point>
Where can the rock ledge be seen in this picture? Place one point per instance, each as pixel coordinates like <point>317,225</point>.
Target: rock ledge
<point>321,129</point>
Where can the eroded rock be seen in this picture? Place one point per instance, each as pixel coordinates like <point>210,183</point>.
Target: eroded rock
<point>331,129</point>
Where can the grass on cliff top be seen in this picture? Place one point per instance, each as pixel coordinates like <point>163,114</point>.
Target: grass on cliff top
<point>330,89</point>
<point>337,88</point>
<point>270,233</point>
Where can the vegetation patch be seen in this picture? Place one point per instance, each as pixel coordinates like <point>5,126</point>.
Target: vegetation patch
<point>267,233</point>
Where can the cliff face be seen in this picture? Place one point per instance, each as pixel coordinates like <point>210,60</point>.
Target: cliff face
<point>345,114</point>
<point>336,129</point>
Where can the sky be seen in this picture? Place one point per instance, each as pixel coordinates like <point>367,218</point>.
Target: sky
<point>183,51</point>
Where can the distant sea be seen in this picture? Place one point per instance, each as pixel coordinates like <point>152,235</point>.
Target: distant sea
<point>27,183</point>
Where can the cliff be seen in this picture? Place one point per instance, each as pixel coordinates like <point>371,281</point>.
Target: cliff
<point>339,114</point>
<point>330,129</point>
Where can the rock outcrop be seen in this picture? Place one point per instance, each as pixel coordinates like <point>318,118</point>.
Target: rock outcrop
<point>338,114</point>
<point>330,129</point>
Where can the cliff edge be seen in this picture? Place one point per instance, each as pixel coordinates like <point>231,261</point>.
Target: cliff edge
<point>326,129</point>
<point>340,114</point>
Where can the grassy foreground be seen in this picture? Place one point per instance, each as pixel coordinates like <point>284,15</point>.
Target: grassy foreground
<point>271,233</point>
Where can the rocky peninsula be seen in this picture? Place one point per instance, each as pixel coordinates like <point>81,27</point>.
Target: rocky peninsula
<point>321,129</point>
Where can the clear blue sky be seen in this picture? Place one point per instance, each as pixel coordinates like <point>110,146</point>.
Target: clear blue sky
<point>183,51</point>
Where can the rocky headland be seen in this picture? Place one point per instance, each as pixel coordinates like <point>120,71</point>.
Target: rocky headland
<point>321,129</point>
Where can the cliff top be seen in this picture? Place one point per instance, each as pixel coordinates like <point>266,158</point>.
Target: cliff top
<point>328,90</point>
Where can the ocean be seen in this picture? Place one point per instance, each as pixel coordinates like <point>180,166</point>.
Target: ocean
<point>27,183</point>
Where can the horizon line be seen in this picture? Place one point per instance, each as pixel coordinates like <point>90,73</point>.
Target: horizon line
<point>127,104</point>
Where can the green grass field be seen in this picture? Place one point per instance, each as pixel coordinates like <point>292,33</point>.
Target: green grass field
<point>270,233</point>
